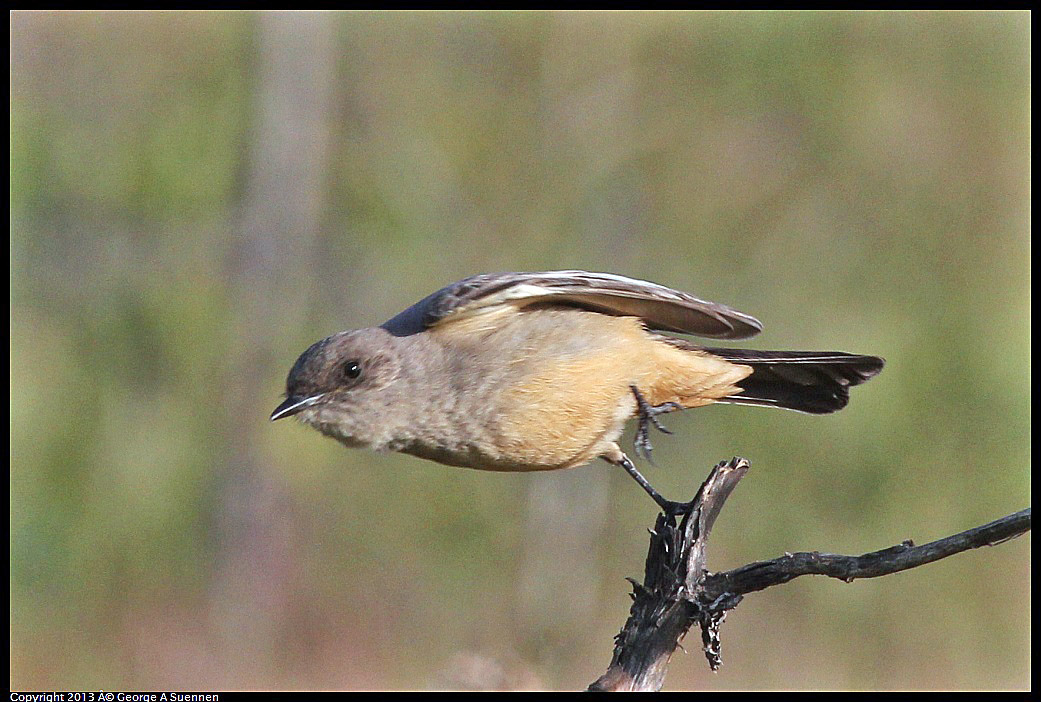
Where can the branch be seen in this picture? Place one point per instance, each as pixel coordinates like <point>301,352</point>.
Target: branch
<point>677,590</point>
<point>666,604</point>
<point>764,574</point>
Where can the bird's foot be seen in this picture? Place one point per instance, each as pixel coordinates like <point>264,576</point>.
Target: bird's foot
<point>647,416</point>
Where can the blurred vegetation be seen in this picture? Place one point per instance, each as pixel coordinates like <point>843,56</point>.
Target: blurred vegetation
<point>196,197</point>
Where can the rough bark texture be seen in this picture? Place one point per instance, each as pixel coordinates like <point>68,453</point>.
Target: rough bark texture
<point>678,592</point>
<point>668,602</point>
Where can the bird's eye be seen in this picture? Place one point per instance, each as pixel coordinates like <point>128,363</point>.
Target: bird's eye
<point>351,370</point>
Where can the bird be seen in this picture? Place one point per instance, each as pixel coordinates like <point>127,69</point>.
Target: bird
<point>541,371</point>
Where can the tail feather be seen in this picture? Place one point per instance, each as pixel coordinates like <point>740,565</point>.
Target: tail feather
<point>816,382</point>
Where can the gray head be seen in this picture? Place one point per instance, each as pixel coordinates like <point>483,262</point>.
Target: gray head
<point>342,384</point>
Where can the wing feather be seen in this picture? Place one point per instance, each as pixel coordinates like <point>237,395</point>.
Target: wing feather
<point>660,308</point>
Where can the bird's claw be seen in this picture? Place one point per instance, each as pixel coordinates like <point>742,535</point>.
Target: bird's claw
<point>675,509</point>
<point>647,415</point>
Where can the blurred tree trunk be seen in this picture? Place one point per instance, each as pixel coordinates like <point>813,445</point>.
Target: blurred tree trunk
<point>587,131</point>
<point>269,272</point>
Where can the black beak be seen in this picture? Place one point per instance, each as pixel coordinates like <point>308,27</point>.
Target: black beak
<point>292,405</point>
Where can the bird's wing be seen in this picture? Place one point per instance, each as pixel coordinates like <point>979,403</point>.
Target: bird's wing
<point>659,307</point>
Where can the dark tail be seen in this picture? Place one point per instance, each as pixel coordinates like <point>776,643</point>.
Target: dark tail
<point>817,382</point>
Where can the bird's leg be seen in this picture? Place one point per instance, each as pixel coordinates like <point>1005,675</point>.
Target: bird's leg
<point>667,506</point>
<point>647,415</point>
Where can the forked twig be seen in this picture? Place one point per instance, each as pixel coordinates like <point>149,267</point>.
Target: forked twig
<point>677,591</point>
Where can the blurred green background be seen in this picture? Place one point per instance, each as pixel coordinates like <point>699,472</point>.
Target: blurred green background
<point>196,197</point>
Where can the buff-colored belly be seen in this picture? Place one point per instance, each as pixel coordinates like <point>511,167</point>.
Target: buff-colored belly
<point>569,410</point>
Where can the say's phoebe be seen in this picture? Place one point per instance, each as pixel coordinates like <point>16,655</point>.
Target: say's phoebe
<point>540,371</point>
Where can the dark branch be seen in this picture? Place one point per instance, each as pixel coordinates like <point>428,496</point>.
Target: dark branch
<point>677,590</point>
<point>764,574</point>
<point>666,604</point>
